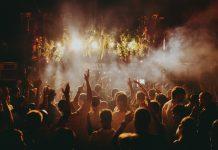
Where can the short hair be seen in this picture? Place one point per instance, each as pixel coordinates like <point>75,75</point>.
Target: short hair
<point>98,88</point>
<point>64,138</point>
<point>95,101</point>
<point>187,127</point>
<point>152,92</point>
<point>106,115</point>
<point>121,97</point>
<point>155,106</point>
<point>82,96</point>
<point>140,95</point>
<point>161,98</point>
<point>142,119</point>
<point>177,91</point>
<point>34,118</point>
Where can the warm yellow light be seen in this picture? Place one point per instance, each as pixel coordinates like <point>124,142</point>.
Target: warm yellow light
<point>132,45</point>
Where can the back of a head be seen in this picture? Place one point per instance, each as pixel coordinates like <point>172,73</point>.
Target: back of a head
<point>34,119</point>
<point>64,138</point>
<point>82,96</point>
<point>12,139</point>
<point>152,93</point>
<point>121,100</point>
<point>95,101</point>
<point>206,99</point>
<point>142,120</point>
<point>155,107</point>
<point>140,96</point>
<point>161,99</point>
<point>178,93</point>
<point>121,97</point>
<point>106,117</point>
<point>97,88</point>
<point>187,128</point>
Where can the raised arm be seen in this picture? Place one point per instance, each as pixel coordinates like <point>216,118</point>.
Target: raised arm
<point>132,93</point>
<point>76,98</point>
<point>87,103</point>
<point>66,93</point>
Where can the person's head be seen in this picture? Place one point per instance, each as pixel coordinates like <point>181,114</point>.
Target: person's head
<point>121,101</point>
<point>103,105</point>
<point>179,112</point>
<point>113,93</point>
<point>82,98</point>
<point>95,103</point>
<point>98,88</point>
<point>161,99</point>
<point>154,105</point>
<point>64,107</point>
<point>142,120</point>
<point>106,118</point>
<point>194,99</point>
<point>64,138</point>
<point>51,95</point>
<point>152,94</point>
<point>178,94</point>
<point>140,97</point>
<point>12,139</point>
<point>187,129</point>
<point>205,99</point>
<point>34,119</point>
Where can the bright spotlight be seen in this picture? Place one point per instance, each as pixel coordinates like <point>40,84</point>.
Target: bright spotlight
<point>77,44</point>
<point>58,44</point>
<point>111,44</point>
<point>132,45</point>
<point>95,45</point>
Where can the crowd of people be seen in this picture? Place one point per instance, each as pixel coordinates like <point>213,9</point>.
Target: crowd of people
<point>143,117</point>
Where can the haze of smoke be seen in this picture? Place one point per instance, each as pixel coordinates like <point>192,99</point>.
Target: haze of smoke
<point>190,54</point>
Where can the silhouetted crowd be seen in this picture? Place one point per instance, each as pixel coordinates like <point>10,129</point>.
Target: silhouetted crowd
<point>146,116</point>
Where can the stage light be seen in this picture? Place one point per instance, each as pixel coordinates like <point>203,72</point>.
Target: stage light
<point>58,44</point>
<point>95,45</point>
<point>111,44</point>
<point>132,45</point>
<point>77,44</point>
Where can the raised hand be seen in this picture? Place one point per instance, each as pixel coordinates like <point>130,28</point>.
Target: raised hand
<point>86,75</point>
<point>66,91</point>
<point>129,82</point>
